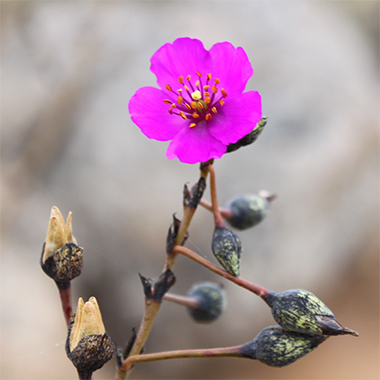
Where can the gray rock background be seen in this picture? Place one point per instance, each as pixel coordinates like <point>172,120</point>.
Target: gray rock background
<point>68,71</point>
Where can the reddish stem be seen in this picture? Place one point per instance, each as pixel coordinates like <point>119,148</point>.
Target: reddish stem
<point>197,353</point>
<point>258,290</point>
<point>64,289</point>
<point>219,222</point>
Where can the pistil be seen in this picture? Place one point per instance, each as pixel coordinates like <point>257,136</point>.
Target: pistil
<point>200,102</point>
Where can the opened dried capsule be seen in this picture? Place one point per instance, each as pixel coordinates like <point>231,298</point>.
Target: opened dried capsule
<point>88,345</point>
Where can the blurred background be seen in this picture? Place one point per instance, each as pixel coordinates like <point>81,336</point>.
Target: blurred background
<point>68,72</point>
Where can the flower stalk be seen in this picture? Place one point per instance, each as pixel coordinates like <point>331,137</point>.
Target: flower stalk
<point>258,290</point>
<point>197,353</point>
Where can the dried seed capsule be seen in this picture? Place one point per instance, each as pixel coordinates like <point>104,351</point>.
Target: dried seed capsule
<point>277,347</point>
<point>88,345</point>
<point>211,301</point>
<point>226,247</point>
<point>247,210</point>
<point>301,311</point>
<point>61,258</point>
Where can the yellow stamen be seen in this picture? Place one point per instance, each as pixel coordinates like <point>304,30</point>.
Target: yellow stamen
<point>180,79</point>
<point>197,83</point>
<point>214,89</point>
<point>208,117</point>
<point>217,81</point>
<point>193,105</point>
<point>170,111</point>
<point>179,90</point>
<point>188,77</point>
<point>199,74</point>
<point>224,92</point>
<point>192,125</point>
<point>168,87</point>
<point>221,102</point>
<point>207,94</point>
<point>186,88</point>
<point>207,100</point>
<point>206,87</point>
<point>182,115</point>
<point>187,106</point>
<point>213,109</point>
<point>208,76</point>
<point>195,115</point>
<point>167,101</point>
<point>180,100</point>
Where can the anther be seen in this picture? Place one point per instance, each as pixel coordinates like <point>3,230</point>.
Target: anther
<point>214,89</point>
<point>187,106</point>
<point>221,102</point>
<point>206,87</point>
<point>199,74</point>
<point>168,87</point>
<point>188,77</point>
<point>197,83</point>
<point>180,100</point>
<point>182,115</point>
<point>224,92</point>
<point>186,88</point>
<point>207,94</point>
<point>167,101</point>
<point>208,117</point>
<point>213,109</point>
<point>179,90</point>
<point>208,76</point>
<point>193,105</point>
<point>195,115</point>
<point>217,81</point>
<point>180,79</point>
<point>207,100</point>
<point>192,125</point>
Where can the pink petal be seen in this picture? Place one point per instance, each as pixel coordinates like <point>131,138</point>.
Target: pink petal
<point>236,118</point>
<point>193,145</point>
<point>150,113</point>
<point>184,57</point>
<point>231,66</point>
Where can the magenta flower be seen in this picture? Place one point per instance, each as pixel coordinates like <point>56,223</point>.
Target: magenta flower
<point>200,105</point>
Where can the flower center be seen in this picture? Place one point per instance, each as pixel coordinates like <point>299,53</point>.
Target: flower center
<point>196,102</point>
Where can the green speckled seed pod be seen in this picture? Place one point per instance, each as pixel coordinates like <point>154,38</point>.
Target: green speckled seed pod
<point>276,347</point>
<point>226,247</point>
<point>212,302</point>
<point>247,210</point>
<point>301,311</point>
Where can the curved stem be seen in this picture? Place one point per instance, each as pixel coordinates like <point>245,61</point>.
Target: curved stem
<point>258,290</point>
<point>189,302</point>
<point>197,353</point>
<point>151,310</point>
<point>64,289</point>
<point>225,212</point>
<point>219,222</point>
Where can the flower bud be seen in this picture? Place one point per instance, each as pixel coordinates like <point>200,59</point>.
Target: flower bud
<point>226,247</point>
<point>250,138</point>
<point>247,211</point>
<point>61,258</point>
<point>88,345</point>
<point>211,301</point>
<point>277,347</point>
<point>301,311</point>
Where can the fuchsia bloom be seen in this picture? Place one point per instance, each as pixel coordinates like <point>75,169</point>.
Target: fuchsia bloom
<point>201,106</point>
